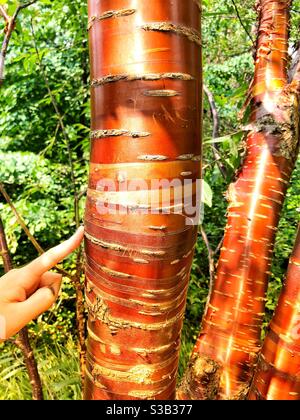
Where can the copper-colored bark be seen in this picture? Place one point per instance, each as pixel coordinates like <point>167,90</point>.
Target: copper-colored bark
<point>146,123</point>
<point>278,371</point>
<point>226,351</point>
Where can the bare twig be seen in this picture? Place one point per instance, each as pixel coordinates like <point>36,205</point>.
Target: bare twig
<point>219,246</point>
<point>23,225</point>
<point>79,287</point>
<point>80,314</point>
<point>22,340</point>
<point>241,21</point>
<point>10,26</point>
<point>80,317</point>
<point>4,14</point>
<point>11,21</point>
<point>62,126</point>
<point>20,220</point>
<point>214,112</point>
<point>215,133</point>
<point>210,254</point>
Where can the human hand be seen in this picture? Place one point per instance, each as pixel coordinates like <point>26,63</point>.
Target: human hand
<point>27,292</point>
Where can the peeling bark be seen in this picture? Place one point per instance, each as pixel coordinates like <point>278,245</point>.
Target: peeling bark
<point>146,123</point>
<point>231,327</point>
<point>278,370</point>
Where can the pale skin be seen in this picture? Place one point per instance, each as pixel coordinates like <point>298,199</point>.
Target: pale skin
<point>27,292</point>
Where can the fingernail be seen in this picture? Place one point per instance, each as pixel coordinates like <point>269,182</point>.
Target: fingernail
<point>52,290</point>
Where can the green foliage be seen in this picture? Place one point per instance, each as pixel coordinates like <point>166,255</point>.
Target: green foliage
<point>58,366</point>
<point>48,49</point>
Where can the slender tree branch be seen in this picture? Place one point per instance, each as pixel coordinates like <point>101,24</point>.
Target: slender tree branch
<point>81,194</point>
<point>80,317</point>
<point>214,112</point>
<point>219,246</point>
<point>62,126</point>
<point>210,255</point>
<point>4,249</point>
<point>80,314</point>
<point>20,220</point>
<point>10,26</point>
<point>23,225</point>
<point>22,340</point>
<point>216,131</point>
<point>4,14</point>
<point>11,21</point>
<point>241,21</point>
<point>79,287</point>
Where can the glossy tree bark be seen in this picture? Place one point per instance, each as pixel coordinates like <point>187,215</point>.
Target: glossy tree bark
<point>226,351</point>
<point>278,371</point>
<point>146,124</point>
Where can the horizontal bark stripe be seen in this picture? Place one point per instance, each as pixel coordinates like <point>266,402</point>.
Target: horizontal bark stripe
<point>156,241</point>
<point>159,308</point>
<point>159,198</point>
<point>112,78</point>
<point>146,109</point>
<point>167,27</point>
<point>278,375</point>
<point>121,173</point>
<point>94,392</point>
<point>110,14</point>
<point>115,323</point>
<point>146,287</point>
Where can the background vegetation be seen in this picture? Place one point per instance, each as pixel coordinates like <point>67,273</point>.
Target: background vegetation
<point>49,51</point>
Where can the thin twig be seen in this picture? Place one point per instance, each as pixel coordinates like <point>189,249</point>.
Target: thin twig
<point>79,287</point>
<point>241,21</point>
<point>210,254</point>
<point>23,225</point>
<point>214,112</point>
<point>80,318</point>
<point>20,220</point>
<point>22,340</point>
<point>4,14</point>
<point>80,314</point>
<point>216,251</point>
<point>10,26</point>
<point>62,126</point>
<point>216,131</point>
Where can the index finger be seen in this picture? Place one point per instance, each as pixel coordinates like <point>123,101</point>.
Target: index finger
<point>52,257</point>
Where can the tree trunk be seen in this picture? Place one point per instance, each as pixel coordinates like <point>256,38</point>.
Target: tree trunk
<point>278,371</point>
<point>146,124</point>
<point>226,351</point>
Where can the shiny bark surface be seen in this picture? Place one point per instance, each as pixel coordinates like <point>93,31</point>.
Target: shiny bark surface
<point>278,371</point>
<point>226,351</point>
<point>146,124</point>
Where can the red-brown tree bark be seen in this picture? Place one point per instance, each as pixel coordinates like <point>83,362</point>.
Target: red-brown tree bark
<point>146,124</point>
<point>226,351</point>
<point>278,371</point>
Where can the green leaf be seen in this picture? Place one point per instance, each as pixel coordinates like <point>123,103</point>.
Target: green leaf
<point>207,194</point>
